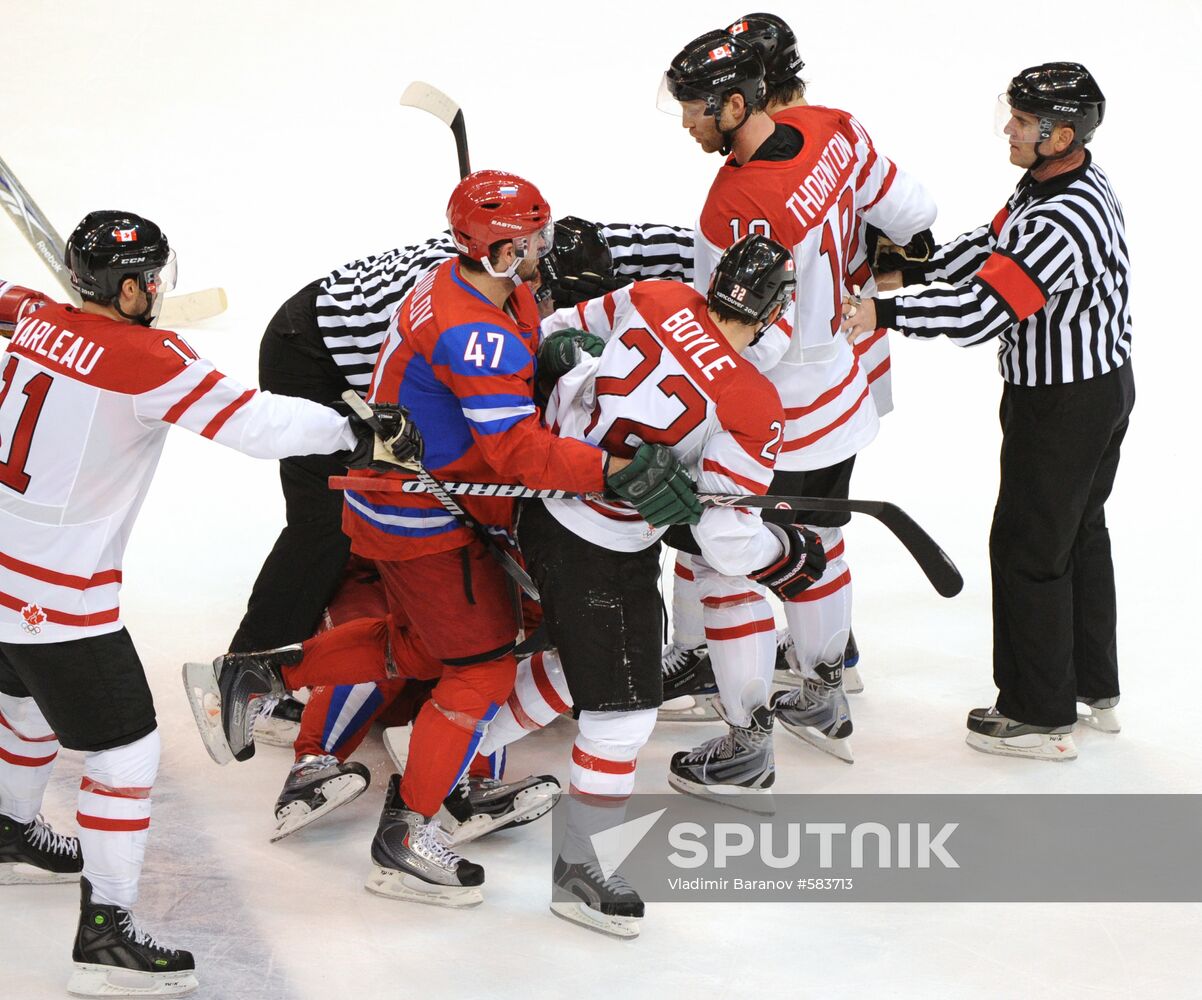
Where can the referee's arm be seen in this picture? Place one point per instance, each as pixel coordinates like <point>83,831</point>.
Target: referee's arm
<point>1013,283</point>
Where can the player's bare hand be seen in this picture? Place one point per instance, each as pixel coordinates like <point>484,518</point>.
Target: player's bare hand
<point>859,317</point>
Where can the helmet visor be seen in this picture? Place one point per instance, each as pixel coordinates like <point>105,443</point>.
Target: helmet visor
<point>1017,126</point>
<point>538,243</point>
<point>160,282</point>
<point>674,95</point>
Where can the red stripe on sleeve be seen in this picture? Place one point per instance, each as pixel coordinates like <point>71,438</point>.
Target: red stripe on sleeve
<point>610,308</point>
<point>203,386</point>
<point>539,672</point>
<point>602,764</point>
<point>111,825</point>
<point>683,571</point>
<point>1012,284</point>
<point>218,421</point>
<point>580,312</point>
<point>884,187</point>
<point>750,485</point>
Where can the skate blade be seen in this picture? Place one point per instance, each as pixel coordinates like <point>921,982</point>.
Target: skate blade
<point>20,873</point>
<point>107,981</point>
<point>839,749</point>
<point>399,885</point>
<point>1054,749</point>
<point>852,682</point>
<point>752,800</point>
<point>688,708</point>
<point>528,805</point>
<point>1104,720</point>
<point>276,732</point>
<point>625,928</point>
<point>200,684</point>
<point>337,792</point>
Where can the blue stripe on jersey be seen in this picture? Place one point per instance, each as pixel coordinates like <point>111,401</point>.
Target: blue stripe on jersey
<point>474,742</point>
<point>437,413</point>
<point>408,522</point>
<point>471,289</point>
<point>481,349</point>
<point>357,722</point>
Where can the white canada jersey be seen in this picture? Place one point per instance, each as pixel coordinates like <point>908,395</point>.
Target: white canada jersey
<point>668,376</point>
<point>813,203</point>
<point>85,404</point>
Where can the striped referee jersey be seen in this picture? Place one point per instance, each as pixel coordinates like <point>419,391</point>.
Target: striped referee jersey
<point>356,301</point>
<point>1049,277</point>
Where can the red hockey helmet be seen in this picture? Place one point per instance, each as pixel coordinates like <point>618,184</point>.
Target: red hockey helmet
<point>491,205</point>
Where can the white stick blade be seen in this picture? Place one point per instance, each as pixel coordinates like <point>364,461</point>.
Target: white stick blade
<point>184,310</point>
<point>430,99</point>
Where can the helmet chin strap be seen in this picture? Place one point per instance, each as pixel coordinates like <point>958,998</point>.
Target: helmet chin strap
<point>145,318</point>
<point>1040,158</point>
<point>728,138</point>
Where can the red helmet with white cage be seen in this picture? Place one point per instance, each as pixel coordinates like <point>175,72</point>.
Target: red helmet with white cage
<point>489,206</point>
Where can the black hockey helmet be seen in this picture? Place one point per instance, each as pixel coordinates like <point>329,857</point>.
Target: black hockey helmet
<point>1059,92</point>
<point>109,246</point>
<point>714,66</point>
<point>580,265</point>
<point>774,41</point>
<point>754,275</point>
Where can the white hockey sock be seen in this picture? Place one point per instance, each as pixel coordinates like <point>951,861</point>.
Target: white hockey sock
<point>540,695</point>
<point>741,633</point>
<point>604,759</point>
<point>820,618</point>
<point>28,748</point>
<point>688,624</point>
<point>114,817</point>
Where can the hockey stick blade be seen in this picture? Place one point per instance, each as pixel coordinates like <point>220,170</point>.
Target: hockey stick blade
<point>430,99</point>
<point>935,564</point>
<point>429,484</point>
<point>193,307</point>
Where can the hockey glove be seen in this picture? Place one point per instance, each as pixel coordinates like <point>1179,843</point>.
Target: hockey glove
<point>884,255</point>
<point>571,290</point>
<point>656,485</point>
<point>800,566</point>
<point>561,352</point>
<point>400,445</point>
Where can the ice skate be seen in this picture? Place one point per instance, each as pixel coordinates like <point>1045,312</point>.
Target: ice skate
<point>852,683</point>
<point>413,862</point>
<point>317,785</point>
<point>991,732</point>
<point>478,806</point>
<point>606,905</point>
<point>737,768</point>
<point>115,958</point>
<point>33,854</point>
<point>281,726</point>
<point>688,685</point>
<point>817,712</point>
<point>228,695</point>
<point>1100,713</point>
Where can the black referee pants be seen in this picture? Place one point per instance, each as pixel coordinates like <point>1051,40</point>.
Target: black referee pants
<point>306,563</point>
<point>1054,617</point>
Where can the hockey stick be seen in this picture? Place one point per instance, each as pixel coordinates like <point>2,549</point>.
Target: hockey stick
<point>935,564</point>
<point>428,484</point>
<point>178,310</point>
<point>434,101</point>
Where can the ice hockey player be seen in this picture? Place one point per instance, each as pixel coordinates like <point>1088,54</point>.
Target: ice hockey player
<point>88,396</point>
<point>806,178</point>
<point>671,374</point>
<point>461,356</point>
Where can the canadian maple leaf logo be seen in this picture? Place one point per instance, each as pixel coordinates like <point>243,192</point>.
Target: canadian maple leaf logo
<point>34,616</point>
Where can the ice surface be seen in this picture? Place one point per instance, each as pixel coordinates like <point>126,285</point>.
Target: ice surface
<point>268,142</point>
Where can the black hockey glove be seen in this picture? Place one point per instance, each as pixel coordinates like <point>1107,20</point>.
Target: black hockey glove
<point>561,352</point>
<point>656,485</point>
<point>571,290</point>
<point>884,255</point>
<point>800,566</point>
<point>400,445</point>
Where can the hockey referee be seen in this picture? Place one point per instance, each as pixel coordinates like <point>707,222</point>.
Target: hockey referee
<point>1049,277</point>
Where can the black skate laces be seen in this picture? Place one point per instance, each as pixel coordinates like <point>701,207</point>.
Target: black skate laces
<point>45,839</point>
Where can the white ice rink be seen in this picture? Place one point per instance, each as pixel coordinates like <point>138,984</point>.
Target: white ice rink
<point>267,141</point>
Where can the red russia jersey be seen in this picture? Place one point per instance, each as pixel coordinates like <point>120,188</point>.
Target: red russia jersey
<point>465,371</point>
<point>812,203</point>
<point>85,404</point>
<point>669,376</point>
